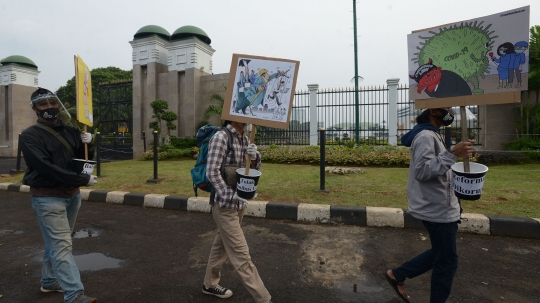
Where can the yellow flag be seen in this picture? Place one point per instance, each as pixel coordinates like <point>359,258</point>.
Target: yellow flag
<point>83,84</point>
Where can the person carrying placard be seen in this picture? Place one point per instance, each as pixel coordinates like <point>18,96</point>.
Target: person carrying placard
<point>432,200</point>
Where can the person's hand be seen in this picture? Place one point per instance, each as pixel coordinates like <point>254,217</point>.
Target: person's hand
<point>92,181</point>
<point>260,88</point>
<point>252,150</point>
<point>241,201</point>
<point>86,137</point>
<point>463,149</point>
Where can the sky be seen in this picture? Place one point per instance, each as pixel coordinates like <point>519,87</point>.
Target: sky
<point>317,33</point>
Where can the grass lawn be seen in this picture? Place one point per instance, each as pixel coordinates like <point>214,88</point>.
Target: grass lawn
<point>508,190</point>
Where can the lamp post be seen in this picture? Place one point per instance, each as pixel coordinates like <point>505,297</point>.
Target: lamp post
<point>356,102</point>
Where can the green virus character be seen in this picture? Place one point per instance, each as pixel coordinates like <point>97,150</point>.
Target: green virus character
<point>460,48</point>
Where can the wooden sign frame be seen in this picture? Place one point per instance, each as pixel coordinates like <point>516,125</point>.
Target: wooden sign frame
<point>277,69</point>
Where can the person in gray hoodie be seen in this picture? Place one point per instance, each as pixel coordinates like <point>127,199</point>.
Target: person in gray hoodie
<point>432,200</point>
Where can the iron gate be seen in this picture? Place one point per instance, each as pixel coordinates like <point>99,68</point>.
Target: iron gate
<point>115,112</point>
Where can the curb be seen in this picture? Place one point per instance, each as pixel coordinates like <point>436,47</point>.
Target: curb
<point>516,227</point>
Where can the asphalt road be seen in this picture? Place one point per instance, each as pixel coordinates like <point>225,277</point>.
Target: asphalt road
<point>160,256</point>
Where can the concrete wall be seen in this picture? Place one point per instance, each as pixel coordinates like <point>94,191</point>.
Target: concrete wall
<point>15,116</point>
<point>498,122</point>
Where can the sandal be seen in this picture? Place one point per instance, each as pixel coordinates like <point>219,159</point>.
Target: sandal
<point>394,285</point>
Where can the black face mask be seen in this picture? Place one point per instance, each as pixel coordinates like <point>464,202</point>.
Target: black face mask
<point>446,118</point>
<point>49,114</point>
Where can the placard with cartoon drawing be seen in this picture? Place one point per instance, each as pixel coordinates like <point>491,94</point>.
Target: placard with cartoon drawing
<point>260,90</point>
<point>486,55</point>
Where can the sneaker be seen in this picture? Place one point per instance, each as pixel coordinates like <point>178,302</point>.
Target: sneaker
<point>218,291</point>
<point>84,299</point>
<point>55,287</point>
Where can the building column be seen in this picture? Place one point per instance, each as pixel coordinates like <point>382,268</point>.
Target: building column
<point>392,110</point>
<point>313,113</point>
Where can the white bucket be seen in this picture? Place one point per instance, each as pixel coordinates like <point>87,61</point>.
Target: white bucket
<point>468,185</point>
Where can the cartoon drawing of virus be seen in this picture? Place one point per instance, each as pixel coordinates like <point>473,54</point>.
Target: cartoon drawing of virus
<point>460,48</point>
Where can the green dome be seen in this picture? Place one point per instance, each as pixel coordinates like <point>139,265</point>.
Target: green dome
<point>150,30</point>
<point>189,31</point>
<point>19,60</point>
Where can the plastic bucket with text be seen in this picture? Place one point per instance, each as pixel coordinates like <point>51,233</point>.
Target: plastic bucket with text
<point>84,166</point>
<point>468,186</point>
<point>247,184</point>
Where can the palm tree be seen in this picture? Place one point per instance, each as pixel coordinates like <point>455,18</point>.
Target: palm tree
<point>213,110</point>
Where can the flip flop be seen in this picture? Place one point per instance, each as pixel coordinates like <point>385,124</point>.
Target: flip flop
<point>394,285</point>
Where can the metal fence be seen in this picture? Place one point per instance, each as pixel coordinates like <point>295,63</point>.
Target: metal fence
<point>336,112</point>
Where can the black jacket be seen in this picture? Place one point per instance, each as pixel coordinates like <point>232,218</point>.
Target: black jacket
<point>48,161</point>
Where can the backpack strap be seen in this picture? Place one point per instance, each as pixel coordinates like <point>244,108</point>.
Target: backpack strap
<point>229,144</point>
<point>57,135</point>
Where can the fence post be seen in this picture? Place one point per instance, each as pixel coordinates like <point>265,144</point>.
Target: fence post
<point>98,153</point>
<point>144,140</point>
<point>313,113</point>
<point>323,161</point>
<point>392,110</point>
<point>156,142</point>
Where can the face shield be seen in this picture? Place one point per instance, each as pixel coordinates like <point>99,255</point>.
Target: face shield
<point>49,107</point>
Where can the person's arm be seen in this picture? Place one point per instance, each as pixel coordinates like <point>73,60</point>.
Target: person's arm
<point>217,150</point>
<point>428,164</point>
<point>36,156</point>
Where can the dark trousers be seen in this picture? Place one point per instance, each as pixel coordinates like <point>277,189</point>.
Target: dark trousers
<point>442,258</point>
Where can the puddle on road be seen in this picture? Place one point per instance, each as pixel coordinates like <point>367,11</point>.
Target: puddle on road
<point>96,261</point>
<point>10,232</point>
<point>87,233</point>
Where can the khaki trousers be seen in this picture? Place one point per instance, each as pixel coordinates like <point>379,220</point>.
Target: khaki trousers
<point>230,242</point>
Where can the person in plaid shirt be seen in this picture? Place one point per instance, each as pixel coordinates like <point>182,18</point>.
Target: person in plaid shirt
<point>228,210</point>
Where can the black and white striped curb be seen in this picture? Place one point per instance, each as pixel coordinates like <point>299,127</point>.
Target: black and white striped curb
<point>518,227</point>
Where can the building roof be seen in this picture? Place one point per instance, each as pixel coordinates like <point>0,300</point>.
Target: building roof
<point>150,30</point>
<point>20,61</point>
<point>189,31</point>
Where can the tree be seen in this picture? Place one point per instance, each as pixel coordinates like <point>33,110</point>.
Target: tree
<point>213,110</point>
<point>534,59</point>
<point>160,110</point>
<point>67,93</point>
<point>99,75</point>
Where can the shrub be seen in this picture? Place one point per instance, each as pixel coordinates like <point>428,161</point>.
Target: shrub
<point>168,154</point>
<point>183,143</point>
<point>339,155</point>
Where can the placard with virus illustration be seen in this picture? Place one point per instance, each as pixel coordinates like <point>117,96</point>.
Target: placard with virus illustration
<point>479,61</point>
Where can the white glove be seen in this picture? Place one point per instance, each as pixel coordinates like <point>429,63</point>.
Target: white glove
<point>241,201</point>
<point>86,137</point>
<point>252,150</point>
<point>92,181</point>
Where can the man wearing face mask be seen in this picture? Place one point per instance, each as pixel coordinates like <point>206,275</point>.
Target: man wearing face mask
<point>48,148</point>
<point>432,200</point>
<point>228,210</point>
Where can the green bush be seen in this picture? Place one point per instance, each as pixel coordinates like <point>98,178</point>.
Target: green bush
<point>183,143</point>
<point>339,155</point>
<point>168,154</point>
<point>523,143</point>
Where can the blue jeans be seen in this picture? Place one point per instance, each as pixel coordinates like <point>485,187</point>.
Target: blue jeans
<point>442,258</point>
<point>56,218</point>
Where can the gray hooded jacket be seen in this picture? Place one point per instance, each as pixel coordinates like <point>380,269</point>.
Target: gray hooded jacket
<point>430,191</point>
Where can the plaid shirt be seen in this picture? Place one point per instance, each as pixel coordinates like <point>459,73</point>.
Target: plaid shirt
<point>217,148</point>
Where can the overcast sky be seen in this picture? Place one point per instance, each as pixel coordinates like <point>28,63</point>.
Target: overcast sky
<point>317,33</point>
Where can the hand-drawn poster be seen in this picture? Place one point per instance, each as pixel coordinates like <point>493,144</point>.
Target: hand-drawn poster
<point>83,83</point>
<point>487,55</point>
<point>260,90</point>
